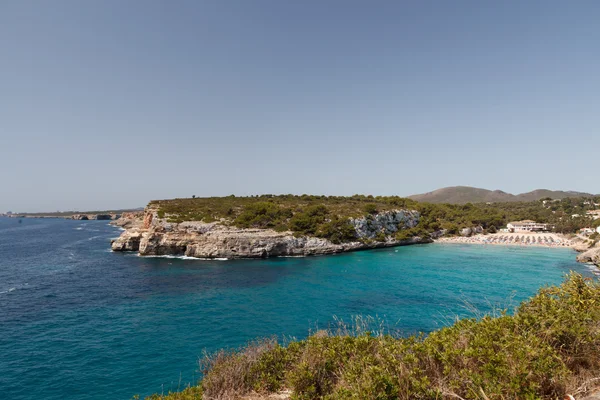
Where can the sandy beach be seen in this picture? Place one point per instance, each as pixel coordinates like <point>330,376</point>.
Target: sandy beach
<point>518,238</point>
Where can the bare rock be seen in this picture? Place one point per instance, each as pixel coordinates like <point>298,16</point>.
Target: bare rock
<point>386,223</point>
<point>590,256</point>
<point>129,220</point>
<point>155,236</point>
<point>128,241</point>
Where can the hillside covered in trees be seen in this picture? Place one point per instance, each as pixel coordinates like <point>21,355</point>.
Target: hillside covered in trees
<point>468,194</point>
<point>328,216</point>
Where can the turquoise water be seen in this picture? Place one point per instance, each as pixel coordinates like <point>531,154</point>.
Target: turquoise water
<point>80,322</point>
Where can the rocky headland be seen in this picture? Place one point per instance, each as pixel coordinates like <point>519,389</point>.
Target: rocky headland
<point>288,225</point>
<point>150,235</point>
<point>590,255</point>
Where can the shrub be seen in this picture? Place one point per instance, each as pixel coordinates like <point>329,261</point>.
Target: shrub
<point>370,208</point>
<point>189,393</point>
<point>405,234</point>
<point>338,230</point>
<point>307,222</point>
<point>262,215</point>
<point>380,237</point>
<point>304,224</point>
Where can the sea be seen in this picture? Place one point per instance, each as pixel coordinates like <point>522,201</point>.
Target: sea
<point>78,321</point>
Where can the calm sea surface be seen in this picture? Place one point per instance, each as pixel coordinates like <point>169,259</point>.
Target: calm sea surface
<point>80,322</point>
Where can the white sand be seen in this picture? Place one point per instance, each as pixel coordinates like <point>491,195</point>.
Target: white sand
<point>544,239</point>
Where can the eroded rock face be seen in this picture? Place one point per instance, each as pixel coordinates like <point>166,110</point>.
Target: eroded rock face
<point>154,236</point>
<point>590,256</point>
<point>129,220</point>
<point>386,223</point>
<point>148,217</point>
<point>471,231</point>
<point>128,241</point>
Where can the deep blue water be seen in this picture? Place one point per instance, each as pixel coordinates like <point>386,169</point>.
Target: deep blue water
<point>80,322</point>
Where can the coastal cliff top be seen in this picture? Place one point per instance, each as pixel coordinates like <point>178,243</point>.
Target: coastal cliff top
<point>308,214</point>
<point>332,217</point>
<point>209,209</point>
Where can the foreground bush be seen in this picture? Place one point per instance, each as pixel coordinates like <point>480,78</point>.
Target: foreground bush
<point>549,347</point>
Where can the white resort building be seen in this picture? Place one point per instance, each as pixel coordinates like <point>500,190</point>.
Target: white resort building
<point>526,226</point>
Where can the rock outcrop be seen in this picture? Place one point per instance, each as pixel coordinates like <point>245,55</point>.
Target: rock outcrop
<point>129,220</point>
<point>590,256</point>
<point>151,235</point>
<point>471,231</point>
<point>386,223</point>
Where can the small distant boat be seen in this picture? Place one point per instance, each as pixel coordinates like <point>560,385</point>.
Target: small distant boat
<point>20,221</point>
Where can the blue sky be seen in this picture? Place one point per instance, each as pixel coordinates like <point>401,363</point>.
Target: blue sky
<point>107,104</point>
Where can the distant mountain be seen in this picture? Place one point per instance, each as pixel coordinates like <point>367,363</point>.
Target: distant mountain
<point>467,194</point>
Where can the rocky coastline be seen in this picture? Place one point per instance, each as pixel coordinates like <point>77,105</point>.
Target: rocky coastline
<point>150,235</point>
<point>590,256</point>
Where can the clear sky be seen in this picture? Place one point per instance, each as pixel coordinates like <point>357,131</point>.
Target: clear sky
<point>109,104</point>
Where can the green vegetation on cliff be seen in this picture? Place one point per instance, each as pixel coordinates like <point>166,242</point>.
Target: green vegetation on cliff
<point>327,216</point>
<point>549,347</point>
<point>321,216</point>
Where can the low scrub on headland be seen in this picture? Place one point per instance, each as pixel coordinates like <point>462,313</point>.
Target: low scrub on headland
<point>327,216</point>
<point>550,346</point>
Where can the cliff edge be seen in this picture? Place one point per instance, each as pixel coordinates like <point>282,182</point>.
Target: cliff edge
<point>152,235</point>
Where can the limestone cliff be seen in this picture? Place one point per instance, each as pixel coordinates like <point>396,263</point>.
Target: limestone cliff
<point>129,220</point>
<point>151,235</point>
<point>590,256</point>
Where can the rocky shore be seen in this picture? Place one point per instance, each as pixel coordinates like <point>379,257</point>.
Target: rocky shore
<point>590,256</point>
<point>150,235</point>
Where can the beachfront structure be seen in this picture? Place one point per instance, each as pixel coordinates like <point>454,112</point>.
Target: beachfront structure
<point>526,226</point>
<point>550,201</point>
<point>587,231</point>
